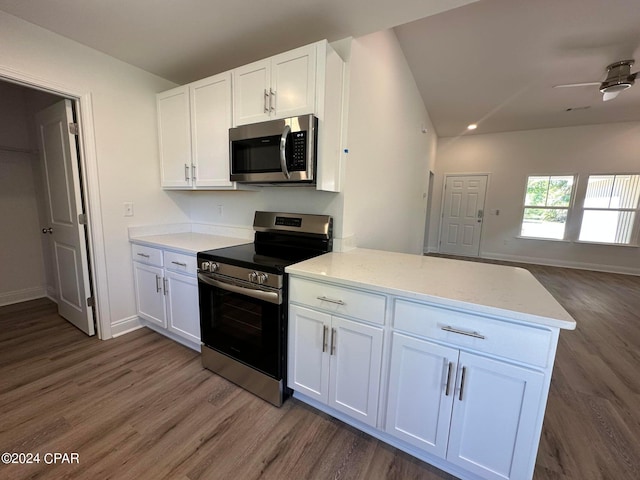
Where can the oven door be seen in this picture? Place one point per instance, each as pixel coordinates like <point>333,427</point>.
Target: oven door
<point>243,321</point>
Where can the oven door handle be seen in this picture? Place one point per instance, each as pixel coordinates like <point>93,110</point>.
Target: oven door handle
<point>271,297</point>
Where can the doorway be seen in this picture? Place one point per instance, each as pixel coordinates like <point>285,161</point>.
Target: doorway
<point>462,214</point>
<point>34,248</point>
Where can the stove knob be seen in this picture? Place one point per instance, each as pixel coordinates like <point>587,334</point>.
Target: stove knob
<point>253,277</point>
<point>262,278</point>
<point>204,266</point>
<point>214,267</point>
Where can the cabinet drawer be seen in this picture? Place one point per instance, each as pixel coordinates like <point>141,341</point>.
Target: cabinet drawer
<point>522,343</point>
<point>180,262</point>
<point>144,254</point>
<point>341,301</point>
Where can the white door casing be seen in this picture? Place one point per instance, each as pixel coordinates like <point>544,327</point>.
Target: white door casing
<point>59,155</point>
<point>462,214</point>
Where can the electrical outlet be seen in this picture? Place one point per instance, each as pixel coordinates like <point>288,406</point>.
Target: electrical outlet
<point>128,209</point>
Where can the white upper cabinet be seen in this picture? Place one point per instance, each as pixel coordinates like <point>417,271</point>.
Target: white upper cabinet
<point>193,131</point>
<point>174,135</point>
<point>194,119</point>
<point>277,87</point>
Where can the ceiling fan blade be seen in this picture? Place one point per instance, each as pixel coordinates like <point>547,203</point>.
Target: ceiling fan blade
<point>606,96</point>
<point>586,84</point>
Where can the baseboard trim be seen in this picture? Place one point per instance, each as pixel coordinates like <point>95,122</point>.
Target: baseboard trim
<point>564,264</point>
<point>125,325</point>
<point>24,295</point>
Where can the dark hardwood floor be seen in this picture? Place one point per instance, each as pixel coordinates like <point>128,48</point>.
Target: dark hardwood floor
<point>141,406</point>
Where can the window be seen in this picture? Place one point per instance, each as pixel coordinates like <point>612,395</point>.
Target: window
<point>610,208</point>
<point>546,206</point>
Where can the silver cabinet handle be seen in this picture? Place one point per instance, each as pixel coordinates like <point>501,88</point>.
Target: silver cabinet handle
<point>165,284</point>
<point>193,172</point>
<point>324,338</point>
<point>333,338</point>
<point>447,389</point>
<point>272,98</point>
<point>186,172</point>
<point>463,332</point>
<point>331,300</point>
<point>158,287</point>
<point>266,96</point>
<point>464,371</point>
<point>180,264</point>
<point>283,156</point>
<point>143,255</point>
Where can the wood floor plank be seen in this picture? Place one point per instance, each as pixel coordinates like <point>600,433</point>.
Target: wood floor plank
<point>141,406</point>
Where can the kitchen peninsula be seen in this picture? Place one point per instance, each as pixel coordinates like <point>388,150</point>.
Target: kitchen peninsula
<point>448,360</point>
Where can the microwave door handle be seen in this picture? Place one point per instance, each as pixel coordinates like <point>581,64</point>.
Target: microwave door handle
<point>283,156</point>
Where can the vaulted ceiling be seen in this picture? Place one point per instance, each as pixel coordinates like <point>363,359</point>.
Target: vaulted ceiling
<point>490,62</point>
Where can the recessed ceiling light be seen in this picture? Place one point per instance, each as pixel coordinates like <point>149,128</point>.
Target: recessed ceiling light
<point>473,126</point>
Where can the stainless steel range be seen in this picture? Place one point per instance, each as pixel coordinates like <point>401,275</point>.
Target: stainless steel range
<point>243,300</point>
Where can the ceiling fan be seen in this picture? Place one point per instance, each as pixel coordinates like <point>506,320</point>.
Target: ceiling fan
<point>619,78</point>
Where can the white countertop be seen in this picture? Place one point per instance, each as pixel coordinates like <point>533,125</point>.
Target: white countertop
<point>510,292</point>
<point>189,242</point>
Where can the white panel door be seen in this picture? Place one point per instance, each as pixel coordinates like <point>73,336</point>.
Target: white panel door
<point>356,359</point>
<point>174,136</point>
<point>59,153</point>
<point>252,101</point>
<point>494,419</point>
<point>293,81</point>
<point>308,357</point>
<point>462,214</point>
<point>421,384</point>
<point>183,314</point>
<point>210,123</point>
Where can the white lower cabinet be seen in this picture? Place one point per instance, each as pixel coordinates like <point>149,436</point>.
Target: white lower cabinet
<point>464,391</point>
<point>335,361</point>
<point>479,413</point>
<point>166,291</point>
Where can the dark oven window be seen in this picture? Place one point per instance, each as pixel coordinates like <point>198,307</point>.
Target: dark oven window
<point>243,328</point>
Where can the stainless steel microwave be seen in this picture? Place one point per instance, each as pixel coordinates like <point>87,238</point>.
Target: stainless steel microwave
<point>275,151</point>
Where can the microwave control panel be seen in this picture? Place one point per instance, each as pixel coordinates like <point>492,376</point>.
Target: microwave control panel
<point>299,151</point>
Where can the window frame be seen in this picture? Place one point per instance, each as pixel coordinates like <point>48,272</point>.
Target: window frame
<point>569,208</point>
<point>635,228</point>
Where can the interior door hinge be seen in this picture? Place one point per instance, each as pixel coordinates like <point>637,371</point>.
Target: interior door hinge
<point>73,128</point>
<point>91,302</point>
<point>82,218</point>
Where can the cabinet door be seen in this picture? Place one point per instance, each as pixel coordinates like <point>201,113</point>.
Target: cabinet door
<point>495,414</point>
<point>183,316</point>
<point>210,123</point>
<point>174,136</point>
<point>251,99</point>
<point>421,392</point>
<point>356,361</point>
<point>308,359</point>
<point>293,79</point>
<point>149,293</point>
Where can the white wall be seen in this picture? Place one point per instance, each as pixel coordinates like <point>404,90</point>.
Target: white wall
<point>126,157</point>
<point>389,155</point>
<point>21,261</point>
<point>510,157</point>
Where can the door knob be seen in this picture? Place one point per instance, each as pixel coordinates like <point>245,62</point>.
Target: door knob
<point>47,230</point>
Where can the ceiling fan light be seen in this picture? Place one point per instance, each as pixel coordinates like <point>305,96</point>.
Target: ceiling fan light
<point>616,87</point>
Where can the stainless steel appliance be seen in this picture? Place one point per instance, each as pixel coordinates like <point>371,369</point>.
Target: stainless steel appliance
<point>243,300</point>
<point>275,151</point>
